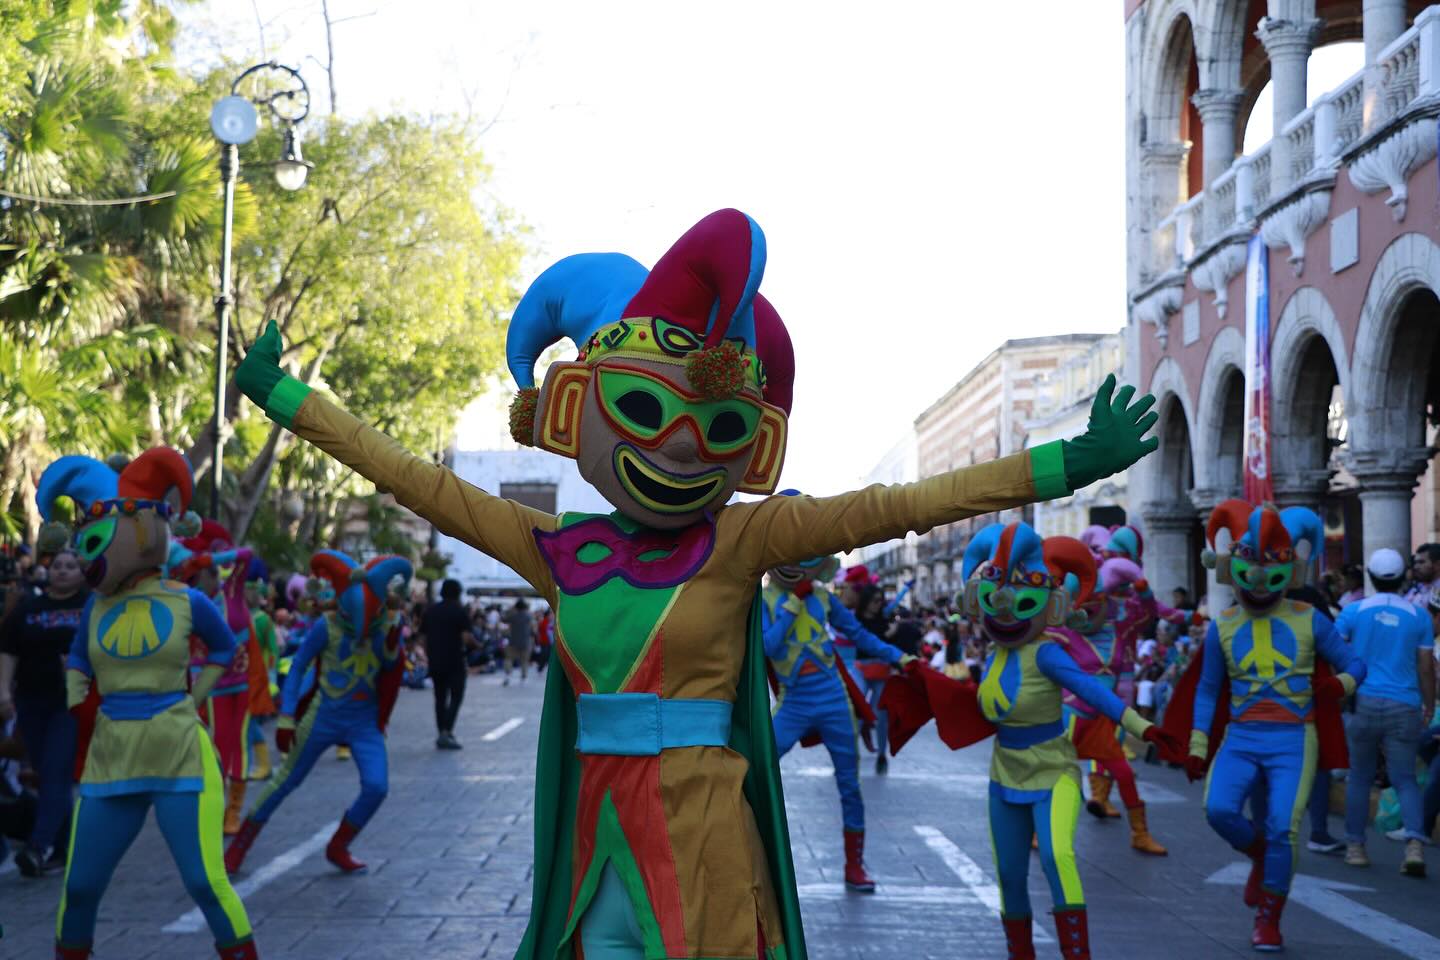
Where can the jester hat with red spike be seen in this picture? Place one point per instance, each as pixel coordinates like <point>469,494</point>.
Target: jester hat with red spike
<point>1260,548</point>
<point>1021,576</point>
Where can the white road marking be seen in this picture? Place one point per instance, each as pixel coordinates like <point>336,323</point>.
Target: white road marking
<point>503,729</point>
<point>194,921</point>
<point>969,873</point>
<point>1326,898</point>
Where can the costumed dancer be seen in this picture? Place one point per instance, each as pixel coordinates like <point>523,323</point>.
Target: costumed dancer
<point>679,397</point>
<point>147,747</point>
<point>262,687</point>
<point>1273,657</point>
<point>1133,612</point>
<point>1015,589</point>
<point>1087,638</point>
<point>353,649</point>
<point>818,698</point>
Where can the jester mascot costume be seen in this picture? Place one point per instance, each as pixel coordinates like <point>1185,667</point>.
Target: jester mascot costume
<point>1015,589</point>
<point>1262,688</point>
<point>1089,638</point>
<point>148,747</point>
<point>355,651</point>
<point>659,820</point>
<point>818,698</point>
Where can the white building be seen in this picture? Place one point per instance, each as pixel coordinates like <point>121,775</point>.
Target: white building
<point>532,477</point>
<point>894,560</point>
<point>1062,409</point>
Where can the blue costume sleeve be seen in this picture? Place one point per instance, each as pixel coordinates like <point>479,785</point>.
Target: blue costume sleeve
<point>1345,623</point>
<point>1330,645</point>
<point>1212,677</point>
<point>79,658</point>
<point>865,642</point>
<point>208,623</point>
<point>310,648</point>
<point>1060,668</point>
<point>894,605</point>
<point>777,628</point>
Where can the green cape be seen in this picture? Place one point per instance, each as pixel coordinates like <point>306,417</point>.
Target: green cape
<point>557,782</point>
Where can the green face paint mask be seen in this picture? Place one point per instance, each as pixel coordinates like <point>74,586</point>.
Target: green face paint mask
<point>1027,603</point>
<point>645,409</point>
<point>92,539</point>
<point>1261,578</point>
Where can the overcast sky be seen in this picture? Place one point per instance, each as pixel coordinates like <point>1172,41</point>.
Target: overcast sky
<point>932,178</point>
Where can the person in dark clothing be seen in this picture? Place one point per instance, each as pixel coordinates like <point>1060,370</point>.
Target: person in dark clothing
<point>34,641</point>
<point>446,632</point>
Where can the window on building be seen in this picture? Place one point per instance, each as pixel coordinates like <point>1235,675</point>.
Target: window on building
<point>540,496</point>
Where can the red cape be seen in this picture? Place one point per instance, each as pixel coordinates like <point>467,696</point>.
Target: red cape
<point>1180,713</point>
<point>858,703</point>
<point>920,694</point>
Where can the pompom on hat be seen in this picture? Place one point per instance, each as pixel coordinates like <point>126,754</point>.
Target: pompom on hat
<point>699,306</point>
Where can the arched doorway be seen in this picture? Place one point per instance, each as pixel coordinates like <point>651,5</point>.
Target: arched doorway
<point>1229,471</point>
<point>1172,530</point>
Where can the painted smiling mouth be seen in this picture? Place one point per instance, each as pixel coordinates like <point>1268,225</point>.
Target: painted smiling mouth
<point>95,572</point>
<point>1260,601</point>
<point>1006,632</point>
<point>663,491</point>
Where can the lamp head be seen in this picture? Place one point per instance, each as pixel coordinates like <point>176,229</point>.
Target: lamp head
<point>291,169</point>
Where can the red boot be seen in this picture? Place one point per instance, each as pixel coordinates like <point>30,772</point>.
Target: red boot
<point>1073,929</point>
<point>244,950</point>
<point>240,845</point>
<point>1017,938</point>
<point>1256,853</point>
<point>1266,937</point>
<point>72,953</point>
<point>856,876</point>
<point>337,851</point>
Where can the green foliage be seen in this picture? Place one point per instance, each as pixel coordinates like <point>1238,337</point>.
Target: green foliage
<point>389,283</point>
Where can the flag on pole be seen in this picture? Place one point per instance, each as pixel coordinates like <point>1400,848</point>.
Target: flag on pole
<point>1258,484</point>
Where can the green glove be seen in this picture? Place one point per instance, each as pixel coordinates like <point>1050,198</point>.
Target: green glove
<point>260,378</point>
<point>1113,439</point>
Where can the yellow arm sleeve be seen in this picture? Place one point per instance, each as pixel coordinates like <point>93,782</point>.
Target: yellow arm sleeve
<point>500,528</point>
<point>1134,724</point>
<point>782,530</point>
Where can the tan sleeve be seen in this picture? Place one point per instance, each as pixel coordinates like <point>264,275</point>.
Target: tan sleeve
<point>780,530</point>
<point>499,528</point>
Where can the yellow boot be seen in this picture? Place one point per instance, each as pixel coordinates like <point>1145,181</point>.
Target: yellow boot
<point>1099,803</point>
<point>342,752</point>
<point>234,804</point>
<point>1140,837</point>
<point>261,769</point>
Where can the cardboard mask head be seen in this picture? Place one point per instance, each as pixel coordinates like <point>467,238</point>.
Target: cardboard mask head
<point>1014,581</point>
<point>122,520</point>
<point>681,391</point>
<point>360,591</point>
<point>1261,552</point>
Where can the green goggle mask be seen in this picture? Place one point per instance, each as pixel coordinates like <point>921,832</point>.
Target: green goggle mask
<point>92,539</point>
<point>1022,603</point>
<point>647,409</point>
<point>1261,578</point>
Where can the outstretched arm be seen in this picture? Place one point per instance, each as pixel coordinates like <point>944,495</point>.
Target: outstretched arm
<point>500,528</point>
<point>783,530</point>
<point>1207,692</point>
<point>865,642</point>
<point>295,680</point>
<point>894,605</point>
<point>1061,669</point>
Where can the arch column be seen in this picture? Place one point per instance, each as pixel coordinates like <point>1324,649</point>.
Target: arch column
<point>1301,488</point>
<point>1167,543</point>
<point>1288,44</point>
<point>1384,20</point>
<point>1387,482</point>
<point>1217,108</point>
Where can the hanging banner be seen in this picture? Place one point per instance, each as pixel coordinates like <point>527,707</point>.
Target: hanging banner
<point>1258,485</point>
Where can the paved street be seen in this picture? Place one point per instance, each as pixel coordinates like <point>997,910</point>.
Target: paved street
<point>450,857</point>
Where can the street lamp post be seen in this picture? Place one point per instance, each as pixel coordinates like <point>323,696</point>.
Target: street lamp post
<point>234,121</point>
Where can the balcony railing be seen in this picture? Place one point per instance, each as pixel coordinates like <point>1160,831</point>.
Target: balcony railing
<point>1406,78</point>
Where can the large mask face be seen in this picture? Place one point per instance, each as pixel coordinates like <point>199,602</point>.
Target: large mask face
<point>118,539</point>
<point>655,449</point>
<point>820,569</point>
<point>1014,611</point>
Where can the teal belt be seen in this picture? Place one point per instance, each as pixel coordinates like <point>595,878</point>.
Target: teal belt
<point>642,724</point>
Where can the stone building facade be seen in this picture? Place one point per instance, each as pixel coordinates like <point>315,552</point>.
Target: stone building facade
<point>984,416</point>
<point>1345,198</point>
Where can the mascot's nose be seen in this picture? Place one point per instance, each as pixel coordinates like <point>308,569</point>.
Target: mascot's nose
<point>1004,600</point>
<point>682,446</point>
